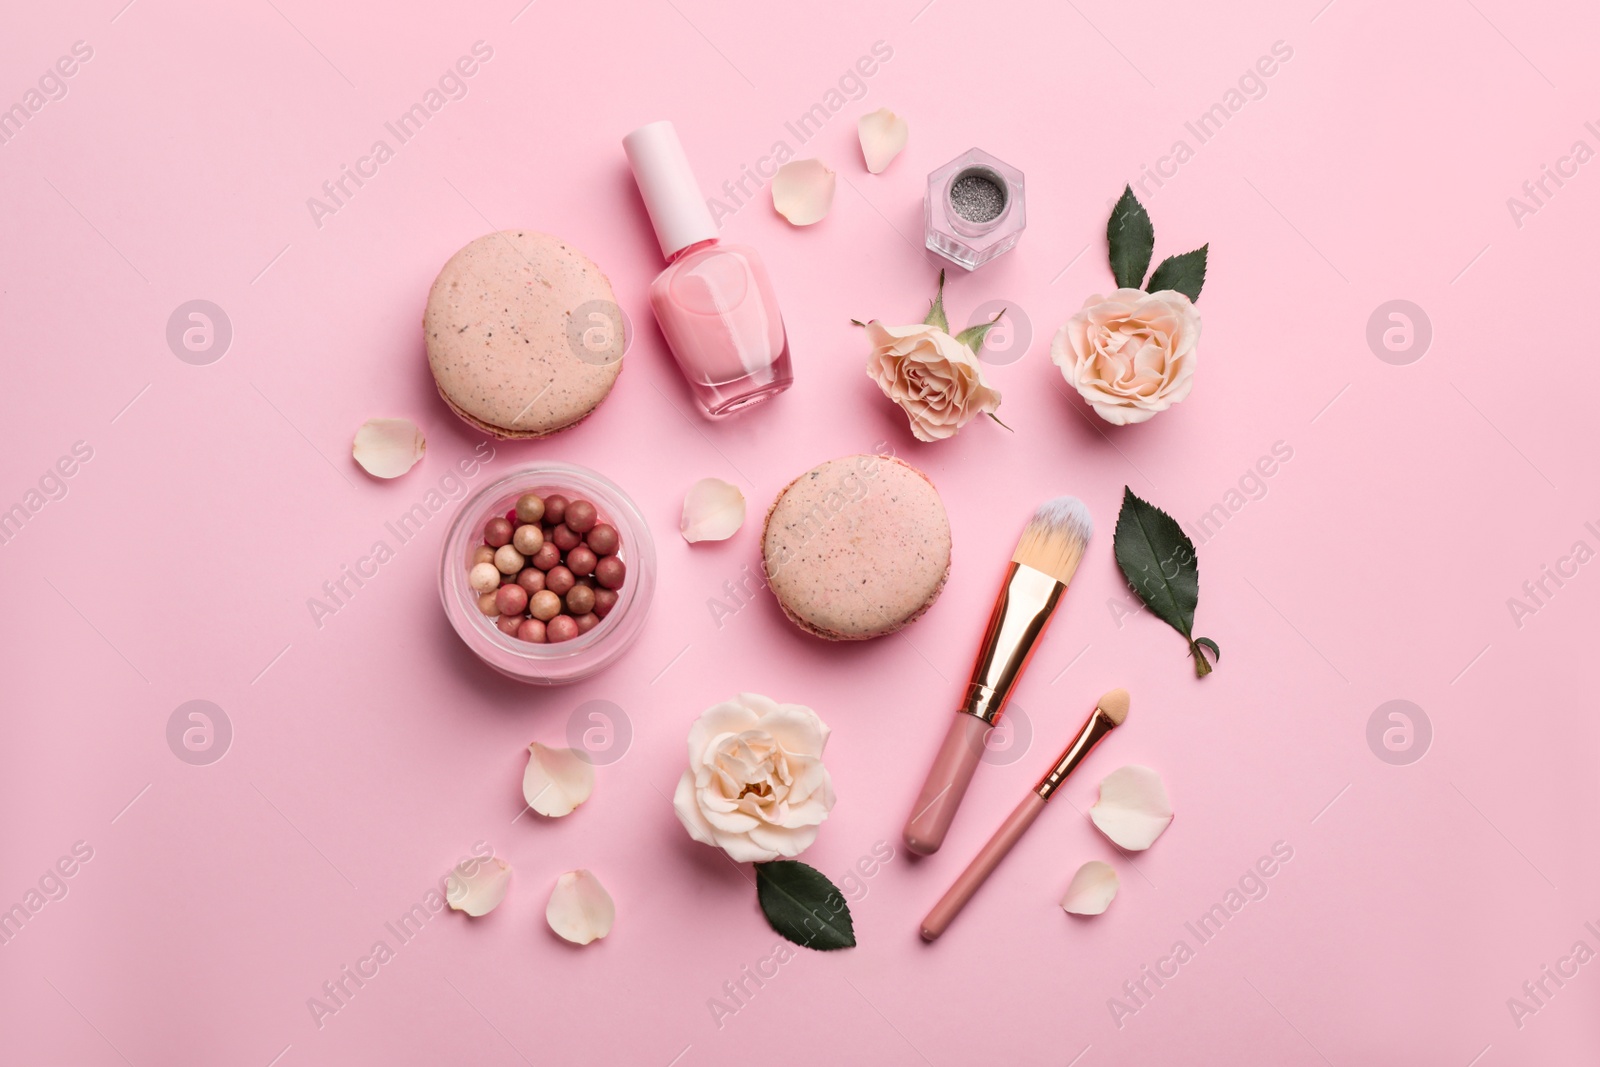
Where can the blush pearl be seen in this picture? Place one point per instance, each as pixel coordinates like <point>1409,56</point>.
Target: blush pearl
<point>610,572</point>
<point>544,605</point>
<point>486,604</point>
<point>587,622</point>
<point>482,554</point>
<point>547,556</point>
<point>561,628</point>
<point>497,532</point>
<point>530,508</point>
<point>508,559</point>
<point>581,516</point>
<point>528,539</point>
<point>555,509</point>
<point>580,600</point>
<point>604,601</point>
<point>566,538</point>
<point>604,539</point>
<point>559,580</point>
<point>531,579</point>
<point>484,577</point>
<point>581,561</point>
<point>508,624</point>
<point>511,599</point>
<point>531,630</point>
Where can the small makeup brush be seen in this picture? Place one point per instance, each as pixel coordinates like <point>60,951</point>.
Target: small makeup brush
<point>1046,558</point>
<point>1108,714</point>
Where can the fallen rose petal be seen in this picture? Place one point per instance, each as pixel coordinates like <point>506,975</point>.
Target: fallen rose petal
<point>387,448</point>
<point>557,780</point>
<point>477,886</point>
<point>713,510</point>
<point>580,909</point>
<point>802,191</point>
<point>883,136</point>
<point>1092,889</point>
<point>1133,808</point>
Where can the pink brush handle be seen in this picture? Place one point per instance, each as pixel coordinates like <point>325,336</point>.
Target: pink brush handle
<point>982,864</point>
<point>946,785</point>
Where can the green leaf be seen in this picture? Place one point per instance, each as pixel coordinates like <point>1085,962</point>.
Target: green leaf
<point>803,906</point>
<point>1184,274</point>
<point>1131,236</point>
<point>973,336</point>
<point>1202,666</point>
<point>1158,560</point>
<point>936,316</point>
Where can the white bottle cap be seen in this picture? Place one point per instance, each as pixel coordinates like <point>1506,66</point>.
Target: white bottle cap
<point>668,186</point>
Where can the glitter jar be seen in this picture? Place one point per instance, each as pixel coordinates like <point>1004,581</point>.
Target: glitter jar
<point>974,209</point>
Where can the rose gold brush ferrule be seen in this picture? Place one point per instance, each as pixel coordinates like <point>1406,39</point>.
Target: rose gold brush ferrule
<point>1093,732</point>
<point>1021,612</point>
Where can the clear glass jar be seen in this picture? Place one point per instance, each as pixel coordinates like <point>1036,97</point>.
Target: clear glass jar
<point>970,232</point>
<point>565,661</point>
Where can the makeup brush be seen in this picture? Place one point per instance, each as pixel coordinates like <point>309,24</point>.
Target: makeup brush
<point>1047,556</point>
<point>1107,715</point>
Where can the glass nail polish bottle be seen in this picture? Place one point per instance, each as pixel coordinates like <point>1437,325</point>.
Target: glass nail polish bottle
<point>714,302</point>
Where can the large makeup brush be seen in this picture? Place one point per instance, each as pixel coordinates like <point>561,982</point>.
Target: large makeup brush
<point>1047,556</point>
<point>1107,715</point>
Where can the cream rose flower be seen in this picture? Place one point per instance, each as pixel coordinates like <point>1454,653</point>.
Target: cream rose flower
<point>1130,354</point>
<point>934,378</point>
<point>756,787</point>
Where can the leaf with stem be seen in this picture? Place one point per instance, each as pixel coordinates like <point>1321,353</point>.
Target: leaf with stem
<point>1158,559</point>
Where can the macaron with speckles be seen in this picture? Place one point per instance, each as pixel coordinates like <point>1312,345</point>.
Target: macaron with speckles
<point>856,548</point>
<point>523,333</point>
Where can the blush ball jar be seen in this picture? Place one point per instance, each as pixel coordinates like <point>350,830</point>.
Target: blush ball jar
<point>560,662</point>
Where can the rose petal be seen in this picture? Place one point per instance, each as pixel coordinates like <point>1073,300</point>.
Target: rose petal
<point>802,191</point>
<point>556,781</point>
<point>387,448</point>
<point>1133,808</point>
<point>713,510</point>
<point>580,909</point>
<point>883,136</point>
<point>478,886</point>
<point>1092,889</point>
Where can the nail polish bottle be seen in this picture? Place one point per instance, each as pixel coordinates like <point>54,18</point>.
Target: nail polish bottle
<point>714,302</point>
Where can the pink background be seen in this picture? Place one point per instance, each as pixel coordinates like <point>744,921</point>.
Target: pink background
<point>370,753</point>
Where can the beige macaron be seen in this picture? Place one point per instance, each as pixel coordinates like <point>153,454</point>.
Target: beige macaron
<point>524,334</point>
<point>856,548</point>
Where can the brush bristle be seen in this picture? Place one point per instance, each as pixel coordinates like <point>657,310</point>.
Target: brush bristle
<point>1054,538</point>
<point>1115,705</point>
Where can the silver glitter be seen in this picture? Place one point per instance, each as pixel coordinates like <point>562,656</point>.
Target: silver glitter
<point>977,198</point>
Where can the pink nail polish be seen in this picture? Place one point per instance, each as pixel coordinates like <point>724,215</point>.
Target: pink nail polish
<point>714,302</point>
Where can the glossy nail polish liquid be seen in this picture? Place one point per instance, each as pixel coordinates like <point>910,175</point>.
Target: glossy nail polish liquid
<point>714,302</point>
